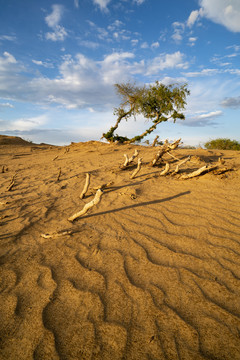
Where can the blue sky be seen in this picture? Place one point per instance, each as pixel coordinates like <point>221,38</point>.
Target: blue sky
<point>59,61</point>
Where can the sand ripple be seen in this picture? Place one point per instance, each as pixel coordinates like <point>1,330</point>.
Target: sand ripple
<point>153,272</point>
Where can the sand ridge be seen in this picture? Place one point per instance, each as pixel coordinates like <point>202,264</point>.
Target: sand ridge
<point>151,272</point>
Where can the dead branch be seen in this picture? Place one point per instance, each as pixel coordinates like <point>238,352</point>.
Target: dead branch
<point>12,183</point>
<point>198,172</point>
<point>136,171</point>
<point>103,186</point>
<point>126,160</point>
<point>174,157</point>
<point>155,141</point>
<point>165,171</point>
<point>59,174</point>
<point>55,158</point>
<point>87,206</point>
<point>181,163</point>
<point>166,147</point>
<point>222,171</point>
<point>85,189</point>
<point>129,160</point>
<point>136,152</point>
<point>57,234</point>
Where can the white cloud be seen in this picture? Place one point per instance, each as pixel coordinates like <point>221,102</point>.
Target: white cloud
<point>43,63</point>
<point>224,12</point>
<point>59,34</point>
<point>155,45</point>
<point>144,45</point>
<point>167,61</point>
<point>102,4</point>
<point>192,41</point>
<point>204,72</point>
<point>54,18</point>
<point>80,82</point>
<point>10,59</point>
<point>139,2</point>
<point>210,115</point>
<point>178,31</point>
<point>76,3</point>
<point>6,105</point>
<point>203,119</point>
<point>134,42</point>
<point>24,124</point>
<point>89,44</point>
<point>8,37</point>
<point>194,16</point>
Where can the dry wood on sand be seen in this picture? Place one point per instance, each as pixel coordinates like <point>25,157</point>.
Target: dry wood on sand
<point>152,271</point>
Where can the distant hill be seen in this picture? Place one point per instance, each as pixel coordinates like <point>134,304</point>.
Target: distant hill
<point>13,140</point>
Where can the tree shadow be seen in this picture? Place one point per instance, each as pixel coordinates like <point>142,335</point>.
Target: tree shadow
<point>158,201</point>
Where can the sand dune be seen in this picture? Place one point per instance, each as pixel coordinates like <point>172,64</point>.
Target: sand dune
<point>151,272</point>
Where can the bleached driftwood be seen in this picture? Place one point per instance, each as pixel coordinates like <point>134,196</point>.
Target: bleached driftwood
<point>181,163</point>
<point>136,171</point>
<point>166,147</point>
<point>85,189</point>
<point>103,186</point>
<point>155,141</point>
<point>87,206</point>
<point>136,152</point>
<point>12,183</point>
<point>200,171</point>
<point>165,171</point>
<point>59,174</point>
<point>126,160</point>
<point>222,171</point>
<point>55,158</point>
<point>57,234</point>
<point>129,160</point>
<point>174,157</point>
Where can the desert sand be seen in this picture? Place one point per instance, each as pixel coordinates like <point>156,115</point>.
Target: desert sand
<point>150,272</point>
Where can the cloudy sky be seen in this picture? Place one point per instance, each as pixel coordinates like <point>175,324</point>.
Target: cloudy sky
<point>59,61</point>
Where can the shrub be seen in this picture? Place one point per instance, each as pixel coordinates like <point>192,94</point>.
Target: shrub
<point>222,144</point>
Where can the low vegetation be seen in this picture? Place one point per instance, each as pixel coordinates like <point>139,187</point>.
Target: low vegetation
<point>222,144</point>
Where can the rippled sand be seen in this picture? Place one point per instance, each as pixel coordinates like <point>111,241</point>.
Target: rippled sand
<point>151,272</point>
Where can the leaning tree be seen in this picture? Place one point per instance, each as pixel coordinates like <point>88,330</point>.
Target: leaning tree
<point>157,102</point>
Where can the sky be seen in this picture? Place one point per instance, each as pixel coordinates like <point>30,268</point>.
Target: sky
<point>59,62</point>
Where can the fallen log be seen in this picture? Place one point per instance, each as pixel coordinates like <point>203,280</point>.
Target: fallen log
<point>198,172</point>
<point>87,206</point>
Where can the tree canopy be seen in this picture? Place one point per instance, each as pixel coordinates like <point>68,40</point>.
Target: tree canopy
<point>156,102</point>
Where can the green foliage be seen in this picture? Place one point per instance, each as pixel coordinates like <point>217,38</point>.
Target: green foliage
<point>222,144</point>
<point>156,102</point>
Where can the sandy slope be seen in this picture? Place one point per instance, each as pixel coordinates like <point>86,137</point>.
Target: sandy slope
<point>151,272</point>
